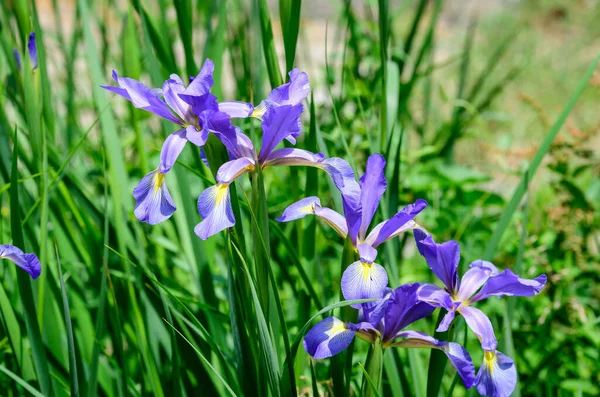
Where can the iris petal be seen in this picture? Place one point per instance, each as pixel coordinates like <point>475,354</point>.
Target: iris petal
<point>472,280</point>
<point>328,337</point>
<point>214,205</point>
<point>497,376</point>
<point>372,187</point>
<point>171,149</point>
<point>364,281</point>
<point>442,259</point>
<point>32,49</point>
<point>236,109</point>
<point>312,205</point>
<point>481,326</point>
<point>509,284</point>
<point>277,124</point>
<point>28,262</point>
<point>153,202</point>
<point>399,223</point>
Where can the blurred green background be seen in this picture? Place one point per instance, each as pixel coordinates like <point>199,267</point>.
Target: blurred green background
<point>468,100</point>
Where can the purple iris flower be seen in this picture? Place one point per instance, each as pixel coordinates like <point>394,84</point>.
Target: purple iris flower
<point>31,49</point>
<point>28,262</point>
<point>386,319</point>
<point>194,109</point>
<point>497,376</point>
<point>278,123</point>
<point>363,279</point>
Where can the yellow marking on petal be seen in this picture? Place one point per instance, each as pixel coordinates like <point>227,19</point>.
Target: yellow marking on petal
<point>259,111</point>
<point>158,181</point>
<point>337,329</point>
<point>221,193</point>
<point>367,268</point>
<point>489,358</point>
<point>309,209</point>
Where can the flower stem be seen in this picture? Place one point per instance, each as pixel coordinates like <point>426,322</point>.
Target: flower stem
<point>374,369</point>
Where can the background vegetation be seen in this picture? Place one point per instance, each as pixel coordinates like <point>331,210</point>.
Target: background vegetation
<point>489,113</point>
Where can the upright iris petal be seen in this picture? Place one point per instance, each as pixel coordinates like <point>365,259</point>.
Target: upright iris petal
<point>372,187</point>
<point>153,202</point>
<point>497,376</point>
<point>28,262</point>
<point>277,124</point>
<point>399,223</point>
<point>171,150</point>
<point>442,258</point>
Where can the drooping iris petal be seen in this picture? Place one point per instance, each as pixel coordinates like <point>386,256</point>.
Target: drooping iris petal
<point>214,205</point>
<point>328,337</point>
<point>153,202</point>
<point>442,259</point>
<point>497,376</point>
<point>364,281</point>
<point>404,309</point>
<point>312,205</point>
<point>171,89</point>
<point>397,224</point>
<point>481,326</point>
<point>203,82</point>
<point>28,262</point>
<point>236,109</point>
<point>510,284</point>
<point>472,280</point>
<point>458,355</point>
<point>291,156</point>
<point>233,169</point>
<point>171,149</point>
<point>486,265</point>
<point>237,144</point>
<point>142,97</point>
<point>367,253</point>
<point>372,187</point>
<point>277,124</point>
<point>435,296</point>
<point>32,49</point>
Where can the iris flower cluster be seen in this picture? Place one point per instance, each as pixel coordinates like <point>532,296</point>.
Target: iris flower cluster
<point>197,113</point>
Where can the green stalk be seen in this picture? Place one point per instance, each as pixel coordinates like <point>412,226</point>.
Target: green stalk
<point>269,44</point>
<point>260,233</point>
<point>383,42</point>
<point>371,383</point>
<point>437,361</point>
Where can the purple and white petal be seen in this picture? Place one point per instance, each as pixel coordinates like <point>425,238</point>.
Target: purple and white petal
<point>214,206</point>
<point>509,284</point>
<point>397,224</point>
<point>442,259</point>
<point>497,376</point>
<point>290,156</point>
<point>328,337</point>
<point>28,262</point>
<point>446,321</point>
<point>196,136</point>
<point>32,49</point>
<point>153,202</point>
<point>333,219</point>
<point>364,281</point>
<point>404,309</point>
<point>171,89</point>
<point>472,280</point>
<point>203,82</point>
<point>372,187</point>
<point>171,150</point>
<point>233,169</point>
<point>299,209</point>
<point>481,326</point>
<point>367,253</point>
<point>142,97</point>
<point>486,265</point>
<point>236,109</point>
<point>278,123</point>
<point>435,296</point>
<point>458,355</point>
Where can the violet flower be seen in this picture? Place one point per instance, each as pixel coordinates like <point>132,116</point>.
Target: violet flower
<point>387,319</point>
<point>363,279</point>
<point>194,109</point>
<point>497,376</point>
<point>28,262</point>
